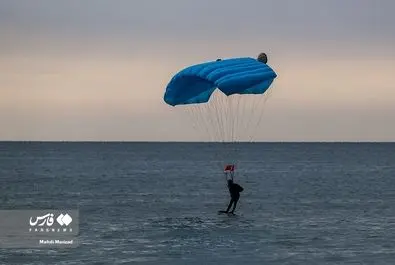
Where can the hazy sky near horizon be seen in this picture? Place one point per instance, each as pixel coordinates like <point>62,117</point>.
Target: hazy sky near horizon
<point>97,70</point>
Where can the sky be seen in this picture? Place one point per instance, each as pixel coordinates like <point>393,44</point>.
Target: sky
<point>97,70</point>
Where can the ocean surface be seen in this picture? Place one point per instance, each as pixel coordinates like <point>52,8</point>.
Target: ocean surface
<point>157,203</point>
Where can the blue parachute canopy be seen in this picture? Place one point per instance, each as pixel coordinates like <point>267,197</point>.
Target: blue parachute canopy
<point>196,83</point>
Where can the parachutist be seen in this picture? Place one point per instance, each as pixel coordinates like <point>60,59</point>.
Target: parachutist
<point>196,87</point>
<point>234,190</point>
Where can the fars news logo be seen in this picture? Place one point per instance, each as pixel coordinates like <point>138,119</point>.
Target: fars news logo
<point>46,223</point>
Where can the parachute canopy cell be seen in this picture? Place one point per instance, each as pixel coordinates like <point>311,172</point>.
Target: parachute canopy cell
<point>196,83</point>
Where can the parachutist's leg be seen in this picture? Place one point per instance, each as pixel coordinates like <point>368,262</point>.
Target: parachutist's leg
<point>230,204</point>
<point>234,205</point>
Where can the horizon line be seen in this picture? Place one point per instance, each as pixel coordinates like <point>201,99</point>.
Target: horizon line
<point>200,142</point>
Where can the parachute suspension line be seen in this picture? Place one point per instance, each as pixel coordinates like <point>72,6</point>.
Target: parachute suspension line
<point>227,115</point>
<point>265,97</point>
<point>234,115</point>
<point>230,119</point>
<point>198,113</point>
<point>243,115</point>
<point>212,117</point>
<point>216,118</point>
<point>205,120</point>
<point>193,112</point>
<point>230,102</point>
<point>205,114</point>
<point>219,105</point>
<point>233,129</point>
<point>237,136</point>
<point>223,119</point>
<point>239,119</point>
<point>242,103</point>
<point>246,110</point>
<point>215,115</point>
<point>230,122</point>
<point>252,111</point>
<point>226,120</point>
<point>227,129</point>
<point>194,120</point>
<point>208,117</point>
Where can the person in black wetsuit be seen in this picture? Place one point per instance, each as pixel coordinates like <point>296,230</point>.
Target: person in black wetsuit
<point>234,190</point>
